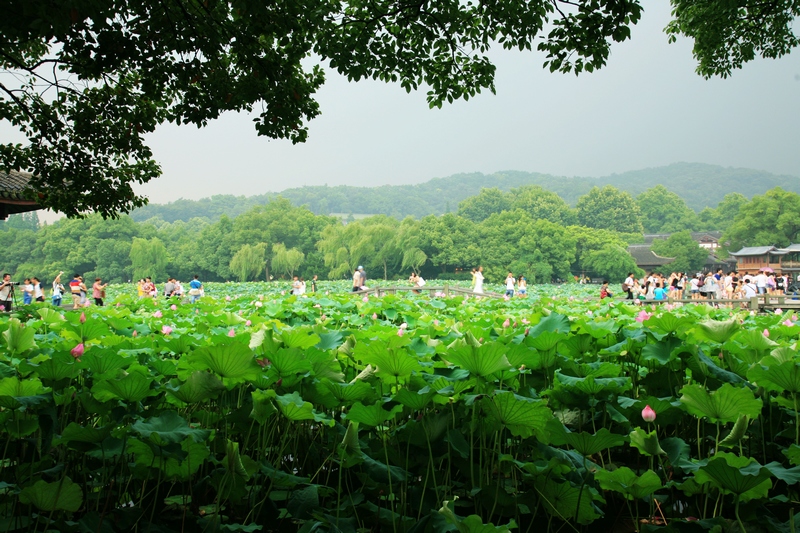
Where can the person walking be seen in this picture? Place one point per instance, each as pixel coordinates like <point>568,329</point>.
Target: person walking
<point>478,281</point>
<point>38,293</point>
<point>58,290</point>
<point>75,291</point>
<point>98,291</point>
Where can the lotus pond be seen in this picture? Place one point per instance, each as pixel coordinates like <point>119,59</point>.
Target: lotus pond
<point>339,413</point>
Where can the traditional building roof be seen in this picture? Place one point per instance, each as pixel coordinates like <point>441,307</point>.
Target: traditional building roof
<point>12,194</point>
<point>644,256</point>
<point>757,250</point>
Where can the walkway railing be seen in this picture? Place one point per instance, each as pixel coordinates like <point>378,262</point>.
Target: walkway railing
<point>445,289</point>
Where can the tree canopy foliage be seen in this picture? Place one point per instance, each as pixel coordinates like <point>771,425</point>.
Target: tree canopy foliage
<point>92,79</point>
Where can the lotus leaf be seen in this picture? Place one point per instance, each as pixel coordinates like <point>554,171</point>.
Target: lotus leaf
<point>627,483</point>
<point>58,495</point>
<point>724,405</point>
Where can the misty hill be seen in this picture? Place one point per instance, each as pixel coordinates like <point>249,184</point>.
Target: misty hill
<point>700,185</point>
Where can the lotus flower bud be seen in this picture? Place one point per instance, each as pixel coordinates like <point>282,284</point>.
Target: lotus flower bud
<point>648,415</point>
<point>248,323</point>
<point>173,307</point>
<point>135,333</point>
<point>766,332</point>
<point>83,317</point>
<point>436,322</point>
<point>374,316</point>
<point>166,330</point>
<point>365,299</point>
<point>323,317</point>
<point>506,323</point>
<point>404,326</point>
<point>77,351</point>
<point>231,333</point>
<point>158,314</point>
<point>400,332</point>
<point>227,298</point>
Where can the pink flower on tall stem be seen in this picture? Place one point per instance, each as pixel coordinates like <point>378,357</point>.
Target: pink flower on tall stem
<point>166,330</point>
<point>77,351</point>
<point>400,332</point>
<point>158,314</point>
<point>83,318</point>
<point>766,332</point>
<point>648,415</point>
<point>642,316</point>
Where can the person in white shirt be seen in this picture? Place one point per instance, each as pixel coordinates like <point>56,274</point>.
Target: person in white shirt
<point>510,282</point>
<point>761,283</point>
<point>479,281</point>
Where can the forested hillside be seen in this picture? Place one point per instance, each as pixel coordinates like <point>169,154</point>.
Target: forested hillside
<point>442,195</point>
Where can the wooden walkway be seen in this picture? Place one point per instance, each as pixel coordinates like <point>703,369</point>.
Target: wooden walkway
<point>445,289</point>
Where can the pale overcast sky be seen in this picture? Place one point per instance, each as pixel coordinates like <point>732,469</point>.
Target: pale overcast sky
<point>646,108</point>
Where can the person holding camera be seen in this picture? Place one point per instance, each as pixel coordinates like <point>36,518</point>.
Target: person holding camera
<point>58,290</point>
<point>6,292</point>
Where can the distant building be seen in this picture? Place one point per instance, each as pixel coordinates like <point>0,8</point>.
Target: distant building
<point>350,217</point>
<point>12,194</point>
<point>646,259</point>
<point>752,259</point>
<point>706,239</point>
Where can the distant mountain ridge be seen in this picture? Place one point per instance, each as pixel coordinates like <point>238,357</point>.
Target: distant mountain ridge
<point>700,185</point>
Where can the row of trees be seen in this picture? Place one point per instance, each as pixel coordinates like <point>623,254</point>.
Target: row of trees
<point>528,231</point>
<point>656,210</point>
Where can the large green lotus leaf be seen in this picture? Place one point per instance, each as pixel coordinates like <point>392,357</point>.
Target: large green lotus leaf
<point>168,427</point>
<point>391,363</point>
<point>373,415</point>
<point>554,323</point>
<point>793,454</point>
<point>646,443</point>
<point>415,400</point>
<point>666,322</point>
<point>289,361</point>
<point>295,409</point>
<point>51,317</point>
<point>561,500</point>
<point>324,365</point>
<point>742,476</point>
<point>182,463</point>
<point>600,330</point>
<point>92,329</point>
<point>522,416</point>
<point>62,495</point>
<point>661,352</point>
<point>737,433</point>
<point>299,338</point>
<point>482,361</point>
<point>102,361</point>
<point>545,340</point>
<point>755,342</point>
<point>627,483</point>
<point>587,444</point>
<point>18,337</point>
<point>179,344</point>
<point>591,385</point>
<point>231,319</point>
<point>198,386</point>
<point>790,476</point>
<point>472,523</point>
<point>60,366</point>
<point>77,433</point>
<point>133,387</point>
<point>350,453</point>
<point>13,391</point>
<point>329,340</point>
<point>781,355</point>
<point>776,376</point>
<point>233,361</point>
<point>575,346</point>
<point>724,405</point>
<point>347,393</point>
<point>717,331</point>
<point>21,427</point>
<point>263,405</point>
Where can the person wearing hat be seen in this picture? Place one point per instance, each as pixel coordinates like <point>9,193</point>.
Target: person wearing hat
<point>363,276</point>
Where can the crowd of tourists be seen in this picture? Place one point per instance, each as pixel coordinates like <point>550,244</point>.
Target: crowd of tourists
<point>173,288</point>
<point>31,290</point>
<point>704,285</point>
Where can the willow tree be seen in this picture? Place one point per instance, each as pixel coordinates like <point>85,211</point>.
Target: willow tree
<point>249,261</point>
<point>286,260</point>
<point>149,258</point>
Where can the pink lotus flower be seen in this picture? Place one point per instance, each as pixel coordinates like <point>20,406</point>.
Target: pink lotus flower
<point>135,333</point>
<point>506,323</point>
<point>83,318</point>
<point>283,292</point>
<point>248,323</point>
<point>258,304</point>
<point>231,333</point>
<point>526,321</point>
<point>2,307</point>
<point>158,314</point>
<point>779,311</point>
<point>648,415</point>
<point>669,307</point>
<point>403,326</point>
<point>227,298</point>
<point>766,332</point>
<point>788,323</point>
<point>794,318</point>
<point>642,316</point>
<point>374,316</point>
<point>400,332</point>
<point>365,299</point>
<point>77,351</point>
<point>323,317</point>
<point>436,322</point>
<point>166,330</point>
<point>589,313</point>
<point>173,307</point>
